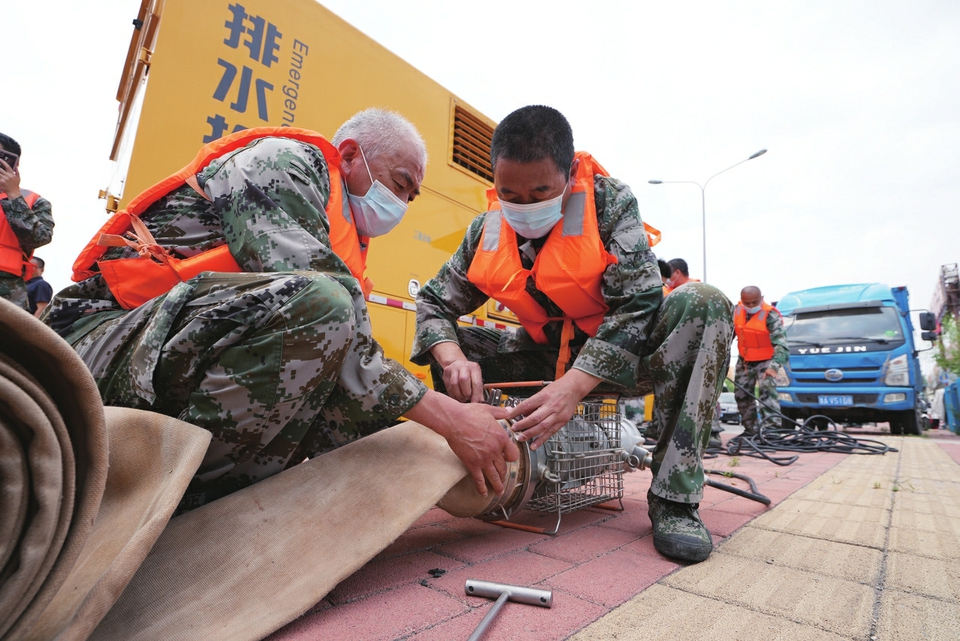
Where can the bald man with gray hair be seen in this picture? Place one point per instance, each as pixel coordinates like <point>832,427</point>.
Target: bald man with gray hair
<point>380,131</point>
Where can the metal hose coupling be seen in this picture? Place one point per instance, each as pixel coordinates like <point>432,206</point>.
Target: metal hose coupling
<point>521,480</point>
<point>635,456</point>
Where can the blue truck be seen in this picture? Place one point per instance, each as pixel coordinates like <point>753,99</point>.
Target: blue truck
<point>852,356</point>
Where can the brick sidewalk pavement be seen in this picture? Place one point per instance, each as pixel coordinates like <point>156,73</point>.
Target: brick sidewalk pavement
<point>601,560</point>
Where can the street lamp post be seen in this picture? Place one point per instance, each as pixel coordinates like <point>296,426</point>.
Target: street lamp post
<point>703,200</point>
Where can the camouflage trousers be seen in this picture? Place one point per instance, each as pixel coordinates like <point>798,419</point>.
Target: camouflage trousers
<point>684,363</point>
<point>252,357</point>
<point>748,375</point>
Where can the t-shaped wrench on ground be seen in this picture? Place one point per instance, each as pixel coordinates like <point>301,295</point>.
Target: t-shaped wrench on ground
<point>503,593</point>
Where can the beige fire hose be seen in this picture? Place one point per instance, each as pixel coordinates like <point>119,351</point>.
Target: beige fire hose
<point>251,562</point>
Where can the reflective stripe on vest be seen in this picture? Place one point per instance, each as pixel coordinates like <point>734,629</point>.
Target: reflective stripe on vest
<point>13,260</point>
<point>133,281</point>
<point>753,337</point>
<point>567,270</point>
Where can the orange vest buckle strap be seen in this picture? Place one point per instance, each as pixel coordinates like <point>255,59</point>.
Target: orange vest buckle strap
<point>13,260</point>
<point>753,337</point>
<point>134,281</point>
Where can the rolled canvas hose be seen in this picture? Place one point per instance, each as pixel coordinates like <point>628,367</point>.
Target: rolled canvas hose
<point>84,491</point>
<point>53,464</point>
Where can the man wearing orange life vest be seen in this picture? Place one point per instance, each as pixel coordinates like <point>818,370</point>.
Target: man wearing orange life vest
<point>262,335</point>
<point>680,274</point>
<point>762,343</point>
<point>563,246</point>
<point>26,223</point>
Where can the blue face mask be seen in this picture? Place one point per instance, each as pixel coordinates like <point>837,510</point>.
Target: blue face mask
<point>534,220</point>
<point>379,210</point>
<point>753,310</point>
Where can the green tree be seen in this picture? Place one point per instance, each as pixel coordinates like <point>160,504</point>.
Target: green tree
<point>948,354</point>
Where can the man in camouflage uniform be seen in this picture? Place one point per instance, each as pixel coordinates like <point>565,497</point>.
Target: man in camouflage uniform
<point>31,224</point>
<point>752,371</point>
<point>278,361</point>
<point>676,347</point>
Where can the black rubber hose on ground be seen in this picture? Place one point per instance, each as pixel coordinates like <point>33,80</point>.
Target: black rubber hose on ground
<point>793,436</point>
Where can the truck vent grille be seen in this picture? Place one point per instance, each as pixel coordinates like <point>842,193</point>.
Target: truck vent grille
<point>858,399</point>
<point>819,370</point>
<point>471,143</point>
<point>847,380</point>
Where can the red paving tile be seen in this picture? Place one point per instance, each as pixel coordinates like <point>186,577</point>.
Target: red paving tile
<point>633,520</point>
<point>587,544</point>
<point>599,559</point>
<point>722,523</point>
<point>612,579</point>
<point>644,547</point>
<point>490,545</point>
<point>388,574</point>
<point>422,538</point>
<point>433,517</point>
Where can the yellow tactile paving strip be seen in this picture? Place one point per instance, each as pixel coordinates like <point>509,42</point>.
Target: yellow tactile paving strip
<point>870,550</point>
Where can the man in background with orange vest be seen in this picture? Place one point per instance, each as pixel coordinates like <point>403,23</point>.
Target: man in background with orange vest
<point>26,223</point>
<point>680,274</point>
<point>762,342</point>
<point>262,335</point>
<point>562,245</point>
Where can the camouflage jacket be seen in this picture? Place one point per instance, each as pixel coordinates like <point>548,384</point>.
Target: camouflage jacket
<point>33,228</point>
<point>631,288</point>
<point>288,233</point>
<point>778,337</point>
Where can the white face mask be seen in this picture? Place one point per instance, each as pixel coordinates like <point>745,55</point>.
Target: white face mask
<point>379,210</point>
<point>753,310</point>
<point>534,220</point>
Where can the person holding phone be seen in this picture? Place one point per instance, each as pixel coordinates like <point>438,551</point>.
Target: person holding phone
<point>27,223</point>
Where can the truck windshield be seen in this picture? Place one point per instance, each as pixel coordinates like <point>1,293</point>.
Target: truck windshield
<point>880,324</point>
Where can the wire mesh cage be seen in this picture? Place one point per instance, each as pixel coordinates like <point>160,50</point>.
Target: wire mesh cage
<point>584,461</point>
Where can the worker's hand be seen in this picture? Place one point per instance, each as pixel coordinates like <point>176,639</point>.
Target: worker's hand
<point>474,435</point>
<point>483,446</point>
<point>770,372</point>
<point>461,377</point>
<point>9,180</point>
<point>464,381</point>
<point>551,408</point>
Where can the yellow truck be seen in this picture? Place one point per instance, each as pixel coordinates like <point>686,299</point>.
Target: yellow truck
<point>196,71</point>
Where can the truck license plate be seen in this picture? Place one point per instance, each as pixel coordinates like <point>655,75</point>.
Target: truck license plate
<point>835,400</point>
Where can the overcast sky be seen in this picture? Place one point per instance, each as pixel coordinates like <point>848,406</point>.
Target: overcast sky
<point>857,103</point>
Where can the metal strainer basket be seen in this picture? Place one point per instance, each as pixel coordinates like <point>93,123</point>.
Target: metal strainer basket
<point>583,461</point>
<point>579,466</point>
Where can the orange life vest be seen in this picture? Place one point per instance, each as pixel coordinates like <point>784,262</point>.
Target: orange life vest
<point>13,260</point>
<point>567,269</point>
<point>134,281</point>
<point>753,337</point>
